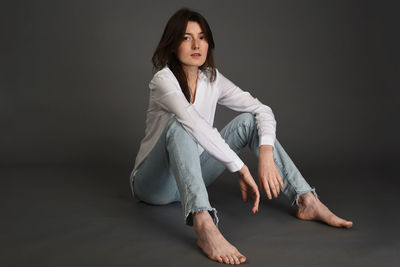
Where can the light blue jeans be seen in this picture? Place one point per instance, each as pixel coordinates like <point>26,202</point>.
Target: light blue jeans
<point>174,170</point>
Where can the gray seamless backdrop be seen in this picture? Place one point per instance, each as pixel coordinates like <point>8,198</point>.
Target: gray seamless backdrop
<point>73,96</point>
<point>74,77</point>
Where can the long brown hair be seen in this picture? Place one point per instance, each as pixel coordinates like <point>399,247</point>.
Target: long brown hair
<point>171,39</point>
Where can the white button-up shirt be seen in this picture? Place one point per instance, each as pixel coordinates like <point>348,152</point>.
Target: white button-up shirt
<point>167,100</point>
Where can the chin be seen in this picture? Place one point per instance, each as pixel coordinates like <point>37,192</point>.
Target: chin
<point>195,63</point>
<point>199,64</point>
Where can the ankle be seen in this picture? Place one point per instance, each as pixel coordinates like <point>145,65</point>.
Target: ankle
<point>202,219</point>
<point>307,198</point>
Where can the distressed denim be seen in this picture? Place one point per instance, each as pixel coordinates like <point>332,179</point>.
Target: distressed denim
<point>174,170</point>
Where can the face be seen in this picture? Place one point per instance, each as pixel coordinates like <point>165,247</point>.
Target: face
<point>192,52</point>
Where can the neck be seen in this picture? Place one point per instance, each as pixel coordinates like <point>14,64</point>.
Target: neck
<point>191,73</point>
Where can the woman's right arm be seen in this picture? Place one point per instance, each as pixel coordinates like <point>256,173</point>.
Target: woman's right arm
<point>168,94</point>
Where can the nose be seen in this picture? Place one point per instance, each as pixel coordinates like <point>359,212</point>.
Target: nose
<point>195,43</point>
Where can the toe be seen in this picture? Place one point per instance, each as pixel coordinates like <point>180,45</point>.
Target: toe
<point>334,220</point>
<point>235,258</point>
<point>348,224</point>
<point>241,258</point>
<point>342,222</point>
<point>231,260</point>
<point>225,259</point>
<point>219,259</point>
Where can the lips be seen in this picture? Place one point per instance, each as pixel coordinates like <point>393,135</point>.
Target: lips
<point>196,54</point>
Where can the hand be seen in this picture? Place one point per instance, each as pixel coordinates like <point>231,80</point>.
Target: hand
<point>269,177</point>
<point>248,185</point>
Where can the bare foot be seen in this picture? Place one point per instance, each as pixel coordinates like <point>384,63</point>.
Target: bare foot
<point>211,241</point>
<point>311,208</point>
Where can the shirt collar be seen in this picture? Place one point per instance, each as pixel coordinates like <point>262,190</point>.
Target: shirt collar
<point>202,74</point>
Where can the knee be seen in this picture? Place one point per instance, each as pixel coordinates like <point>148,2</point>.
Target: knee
<point>246,127</point>
<point>247,119</point>
<point>175,131</point>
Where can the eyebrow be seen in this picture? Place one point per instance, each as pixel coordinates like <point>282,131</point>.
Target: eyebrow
<point>192,34</point>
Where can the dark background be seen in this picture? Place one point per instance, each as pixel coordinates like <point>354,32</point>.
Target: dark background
<point>74,92</point>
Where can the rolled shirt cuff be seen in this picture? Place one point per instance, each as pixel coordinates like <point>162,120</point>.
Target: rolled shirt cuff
<point>267,140</point>
<point>236,165</point>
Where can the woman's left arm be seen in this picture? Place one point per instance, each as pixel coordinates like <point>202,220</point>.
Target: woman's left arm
<point>236,99</point>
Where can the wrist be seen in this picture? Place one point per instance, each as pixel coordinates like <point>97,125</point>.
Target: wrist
<point>266,148</point>
<point>243,170</point>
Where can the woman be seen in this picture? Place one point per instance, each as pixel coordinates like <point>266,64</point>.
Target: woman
<point>182,153</point>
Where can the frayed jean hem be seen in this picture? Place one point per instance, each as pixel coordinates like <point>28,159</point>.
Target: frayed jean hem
<point>298,194</point>
<point>189,215</point>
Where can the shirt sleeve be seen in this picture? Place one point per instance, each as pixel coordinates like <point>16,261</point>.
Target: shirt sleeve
<point>236,99</point>
<point>168,94</point>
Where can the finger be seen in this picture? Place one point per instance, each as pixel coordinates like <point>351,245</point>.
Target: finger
<point>272,186</point>
<point>244,195</point>
<point>279,178</point>
<point>274,191</point>
<point>276,185</point>
<point>281,181</point>
<point>256,199</point>
<point>267,190</point>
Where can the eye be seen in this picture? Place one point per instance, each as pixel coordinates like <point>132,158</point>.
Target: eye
<point>185,38</point>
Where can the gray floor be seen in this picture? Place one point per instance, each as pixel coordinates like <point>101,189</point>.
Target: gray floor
<point>71,216</point>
